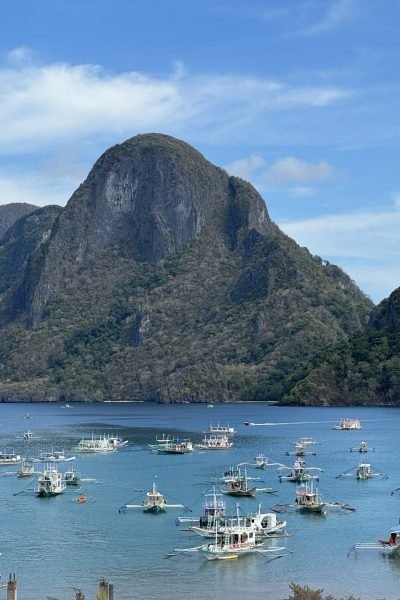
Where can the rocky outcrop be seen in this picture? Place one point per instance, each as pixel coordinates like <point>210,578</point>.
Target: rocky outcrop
<point>10,213</point>
<point>164,279</point>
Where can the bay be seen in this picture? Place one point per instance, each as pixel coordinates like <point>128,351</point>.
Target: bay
<point>54,545</point>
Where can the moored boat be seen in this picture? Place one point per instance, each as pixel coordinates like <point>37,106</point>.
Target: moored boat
<point>362,448</point>
<point>53,456</point>
<point>215,442</point>
<point>308,500</point>
<point>348,424</point>
<point>10,458</point>
<point>221,429</point>
<point>178,446</point>
<point>95,445</point>
<point>50,482</point>
<point>153,503</point>
<point>237,483</point>
<point>27,469</point>
<point>72,477</point>
<point>390,546</point>
<point>299,473</point>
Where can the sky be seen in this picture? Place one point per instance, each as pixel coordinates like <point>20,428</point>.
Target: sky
<point>299,97</point>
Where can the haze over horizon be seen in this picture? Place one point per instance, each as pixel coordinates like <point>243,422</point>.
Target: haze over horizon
<point>300,99</point>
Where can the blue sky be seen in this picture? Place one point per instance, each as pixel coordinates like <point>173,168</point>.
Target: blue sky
<point>300,97</point>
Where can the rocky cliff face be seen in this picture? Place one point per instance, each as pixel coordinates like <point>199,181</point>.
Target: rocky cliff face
<point>164,279</point>
<point>22,240</point>
<point>10,213</point>
<point>148,198</point>
<point>386,315</point>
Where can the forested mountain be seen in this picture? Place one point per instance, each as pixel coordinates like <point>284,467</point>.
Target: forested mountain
<point>9,213</point>
<point>164,279</point>
<point>365,369</point>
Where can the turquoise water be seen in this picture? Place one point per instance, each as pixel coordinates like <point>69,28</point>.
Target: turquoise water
<point>54,544</point>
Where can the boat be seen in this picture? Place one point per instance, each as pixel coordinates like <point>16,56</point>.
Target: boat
<point>10,458</point>
<point>50,482</point>
<point>237,483</point>
<point>308,500</point>
<point>215,442</point>
<point>221,429</point>
<point>27,469</point>
<point>299,473</point>
<point>363,447</point>
<point>348,424</point>
<point>66,405</point>
<point>178,446</point>
<point>28,415</point>
<point>55,456</point>
<point>117,441</point>
<point>362,471</point>
<point>153,503</point>
<point>213,510</point>
<point>164,439</point>
<point>390,547</point>
<point>72,477</point>
<point>248,423</point>
<point>265,525</point>
<point>95,445</point>
<point>237,540</point>
<point>261,461</point>
<point>300,450</point>
<point>306,441</point>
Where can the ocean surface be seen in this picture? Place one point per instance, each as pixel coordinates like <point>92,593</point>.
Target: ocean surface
<point>54,545</point>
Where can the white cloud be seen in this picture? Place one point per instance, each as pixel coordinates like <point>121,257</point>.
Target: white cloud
<point>36,190</point>
<point>365,244</point>
<point>42,105</point>
<point>246,167</point>
<point>287,171</point>
<point>336,14</point>
<point>290,170</point>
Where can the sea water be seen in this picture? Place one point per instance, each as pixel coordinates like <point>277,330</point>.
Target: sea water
<point>54,545</point>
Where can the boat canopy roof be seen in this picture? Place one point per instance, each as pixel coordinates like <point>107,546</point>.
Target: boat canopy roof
<point>395,529</point>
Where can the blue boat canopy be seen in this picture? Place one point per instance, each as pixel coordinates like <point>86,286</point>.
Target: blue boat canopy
<point>395,529</point>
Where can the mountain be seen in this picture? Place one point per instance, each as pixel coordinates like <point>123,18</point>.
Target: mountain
<point>365,369</point>
<point>9,213</point>
<point>23,239</point>
<point>165,279</point>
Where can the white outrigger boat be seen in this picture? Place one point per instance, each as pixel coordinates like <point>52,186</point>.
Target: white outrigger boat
<point>50,482</point>
<point>300,450</point>
<point>215,442</point>
<point>237,540</point>
<point>72,477</point>
<point>153,503</point>
<point>362,448</point>
<point>362,472</point>
<point>27,436</point>
<point>214,507</point>
<point>265,525</point>
<point>95,445</point>
<point>10,458</point>
<point>55,456</point>
<point>262,462</point>
<point>299,473</point>
<point>27,469</point>
<point>389,547</point>
<point>221,429</point>
<point>178,446</point>
<point>348,425</point>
